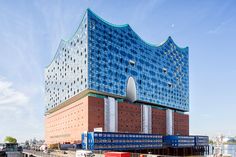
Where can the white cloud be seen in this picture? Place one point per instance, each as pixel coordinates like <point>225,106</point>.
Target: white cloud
<point>10,97</point>
<point>19,112</point>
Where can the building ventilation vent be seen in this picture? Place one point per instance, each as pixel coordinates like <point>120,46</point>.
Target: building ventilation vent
<point>131,62</point>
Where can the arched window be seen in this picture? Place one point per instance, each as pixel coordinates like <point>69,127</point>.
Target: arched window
<point>131,90</point>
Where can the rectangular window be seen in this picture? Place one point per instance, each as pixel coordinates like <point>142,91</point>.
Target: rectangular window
<point>131,62</point>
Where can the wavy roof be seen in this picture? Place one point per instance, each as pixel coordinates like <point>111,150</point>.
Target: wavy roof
<point>63,41</point>
<point>169,39</point>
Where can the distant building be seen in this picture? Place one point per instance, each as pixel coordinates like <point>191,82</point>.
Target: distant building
<point>107,77</point>
<point>229,140</point>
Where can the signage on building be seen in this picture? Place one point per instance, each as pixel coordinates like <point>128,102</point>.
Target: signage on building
<point>98,129</point>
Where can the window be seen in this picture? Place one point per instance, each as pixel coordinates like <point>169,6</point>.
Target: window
<point>164,70</point>
<point>131,62</point>
<point>169,84</point>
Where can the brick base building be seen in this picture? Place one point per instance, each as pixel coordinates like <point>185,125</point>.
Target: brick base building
<point>66,123</point>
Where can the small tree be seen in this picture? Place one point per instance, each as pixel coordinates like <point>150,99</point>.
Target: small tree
<point>9,139</point>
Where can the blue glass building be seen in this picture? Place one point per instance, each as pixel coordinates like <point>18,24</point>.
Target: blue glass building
<point>113,60</point>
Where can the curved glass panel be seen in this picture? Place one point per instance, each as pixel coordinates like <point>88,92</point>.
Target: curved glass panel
<point>103,56</point>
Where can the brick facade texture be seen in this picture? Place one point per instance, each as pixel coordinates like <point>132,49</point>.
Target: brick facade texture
<point>129,117</point>
<point>181,124</point>
<point>158,121</point>
<point>66,124</point>
<point>96,113</point>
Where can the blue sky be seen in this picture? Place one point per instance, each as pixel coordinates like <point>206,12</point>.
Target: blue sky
<point>30,32</point>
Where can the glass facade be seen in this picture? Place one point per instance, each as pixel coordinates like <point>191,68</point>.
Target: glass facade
<point>67,75</point>
<point>102,57</point>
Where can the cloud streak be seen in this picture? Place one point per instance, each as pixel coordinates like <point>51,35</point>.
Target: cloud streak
<point>19,112</point>
<point>10,97</point>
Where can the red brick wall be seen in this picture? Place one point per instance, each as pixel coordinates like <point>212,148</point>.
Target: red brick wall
<point>67,124</point>
<point>96,113</point>
<point>129,117</point>
<point>158,121</point>
<point>181,124</point>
